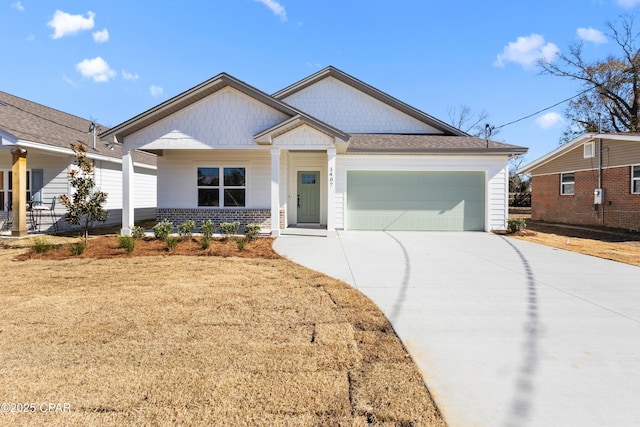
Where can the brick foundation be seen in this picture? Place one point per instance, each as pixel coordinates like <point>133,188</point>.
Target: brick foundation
<point>621,209</point>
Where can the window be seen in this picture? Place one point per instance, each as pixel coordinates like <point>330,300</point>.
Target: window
<point>228,190</point>
<point>567,182</point>
<point>6,187</point>
<point>635,179</point>
<point>589,150</point>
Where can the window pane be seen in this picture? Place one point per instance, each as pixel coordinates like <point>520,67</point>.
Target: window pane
<point>636,186</point>
<point>234,177</point>
<point>567,177</point>
<point>2,206</point>
<point>234,197</point>
<point>208,177</point>
<point>567,189</point>
<point>208,197</point>
<point>308,178</point>
<point>636,172</point>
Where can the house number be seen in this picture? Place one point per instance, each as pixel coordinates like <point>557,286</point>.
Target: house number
<point>331,177</point>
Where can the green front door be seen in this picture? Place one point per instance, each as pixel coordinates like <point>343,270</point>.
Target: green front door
<point>308,197</point>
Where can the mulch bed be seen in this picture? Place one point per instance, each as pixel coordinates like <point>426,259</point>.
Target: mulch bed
<point>101,247</point>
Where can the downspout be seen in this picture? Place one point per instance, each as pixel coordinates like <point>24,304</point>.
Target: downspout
<point>600,163</point>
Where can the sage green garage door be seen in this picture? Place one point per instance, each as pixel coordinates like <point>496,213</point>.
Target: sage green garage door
<point>399,200</point>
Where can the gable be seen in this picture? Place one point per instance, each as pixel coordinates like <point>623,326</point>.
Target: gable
<point>227,118</point>
<point>353,111</point>
<point>304,136</point>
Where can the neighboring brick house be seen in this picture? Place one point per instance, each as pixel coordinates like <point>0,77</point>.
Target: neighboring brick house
<point>564,182</point>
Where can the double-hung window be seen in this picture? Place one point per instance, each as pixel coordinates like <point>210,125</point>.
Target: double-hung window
<point>222,187</point>
<point>635,179</point>
<point>567,183</point>
<point>6,189</point>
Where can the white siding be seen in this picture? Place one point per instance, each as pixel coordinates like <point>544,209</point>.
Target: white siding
<point>495,168</point>
<point>145,192</point>
<point>108,177</point>
<point>227,118</point>
<point>304,136</point>
<point>177,180</point>
<point>351,110</point>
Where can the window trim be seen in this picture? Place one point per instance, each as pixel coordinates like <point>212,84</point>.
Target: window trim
<point>592,149</point>
<point>563,183</point>
<point>634,180</point>
<point>221,187</point>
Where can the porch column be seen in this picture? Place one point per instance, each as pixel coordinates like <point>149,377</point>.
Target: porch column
<point>127,193</point>
<point>275,192</point>
<point>19,192</point>
<point>331,193</point>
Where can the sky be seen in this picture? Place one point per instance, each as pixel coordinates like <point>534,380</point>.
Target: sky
<point>109,60</point>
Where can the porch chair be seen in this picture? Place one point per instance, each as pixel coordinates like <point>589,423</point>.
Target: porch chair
<point>40,208</point>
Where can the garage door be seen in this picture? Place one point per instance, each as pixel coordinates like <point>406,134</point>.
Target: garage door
<point>399,200</point>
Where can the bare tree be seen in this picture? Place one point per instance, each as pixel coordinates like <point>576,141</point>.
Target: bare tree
<point>611,85</point>
<point>474,124</point>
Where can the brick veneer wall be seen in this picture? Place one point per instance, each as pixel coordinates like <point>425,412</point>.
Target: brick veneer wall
<point>244,216</point>
<point>621,209</point>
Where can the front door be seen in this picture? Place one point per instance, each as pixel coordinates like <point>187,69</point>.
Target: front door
<point>309,197</point>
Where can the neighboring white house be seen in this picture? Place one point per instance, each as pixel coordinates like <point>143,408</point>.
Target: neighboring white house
<point>328,151</point>
<point>37,140</point>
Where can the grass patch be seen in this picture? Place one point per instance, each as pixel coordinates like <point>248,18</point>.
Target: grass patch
<point>163,342</point>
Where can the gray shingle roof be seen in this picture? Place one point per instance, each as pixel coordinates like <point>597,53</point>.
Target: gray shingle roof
<point>32,122</point>
<point>368,143</point>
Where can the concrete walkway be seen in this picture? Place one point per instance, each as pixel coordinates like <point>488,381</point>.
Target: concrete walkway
<point>506,332</point>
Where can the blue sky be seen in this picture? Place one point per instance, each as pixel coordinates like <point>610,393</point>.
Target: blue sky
<point>109,60</point>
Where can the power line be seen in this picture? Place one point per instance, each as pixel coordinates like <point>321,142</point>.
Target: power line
<point>42,117</point>
<point>544,109</point>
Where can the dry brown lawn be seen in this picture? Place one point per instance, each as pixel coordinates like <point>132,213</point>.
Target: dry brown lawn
<point>198,340</point>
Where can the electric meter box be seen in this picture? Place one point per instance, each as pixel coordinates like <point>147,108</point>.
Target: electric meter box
<point>598,196</point>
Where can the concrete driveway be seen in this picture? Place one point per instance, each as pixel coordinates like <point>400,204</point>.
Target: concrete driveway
<point>506,332</point>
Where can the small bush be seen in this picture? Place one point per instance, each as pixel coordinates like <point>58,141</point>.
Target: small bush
<point>207,229</point>
<point>241,242</point>
<point>163,229</point>
<point>172,242</point>
<point>229,228</point>
<point>251,231</point>
<point>77,248</point>
<point>41,245</point>
<point>128,243</point>
<point>516,224</point>
<point>137,232</point>
<point>186,228</point>
<point>205,243</point>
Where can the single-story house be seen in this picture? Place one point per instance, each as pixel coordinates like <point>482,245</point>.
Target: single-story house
<point>328,151</point>
<point>592,180</point>
<point>36,157</point>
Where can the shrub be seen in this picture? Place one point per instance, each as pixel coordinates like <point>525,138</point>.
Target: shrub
<point>163,229</point>
<point>137,232</point>
<point>127,243</point>
<point>41,245</point>
<point>186,228</point>
<point>516,224</point>
<point>77,248</point>
<point>229,228</point>
<point>251,231</point>
<point>241,242</point>
<point>205,243</point>
<point>172,242</point>
<point>207,229</point>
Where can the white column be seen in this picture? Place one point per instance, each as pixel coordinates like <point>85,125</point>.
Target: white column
<point>275,192</point>
<point>127,192</point>
<point>331,193</point>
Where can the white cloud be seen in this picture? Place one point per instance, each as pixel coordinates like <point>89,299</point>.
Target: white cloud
<point>65,24</point>
<point>18,6</point>
<point>129,76</point>
<point>276,8</point>
<point>155,90</point>
<point>527,51</point>
<point>96,69</point>
<point>101,36</point>
<point>628,4</point>
<point>549,120</point>
<point>591,35</point>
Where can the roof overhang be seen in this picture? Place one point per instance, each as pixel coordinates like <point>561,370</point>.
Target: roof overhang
<point>575,143</point>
